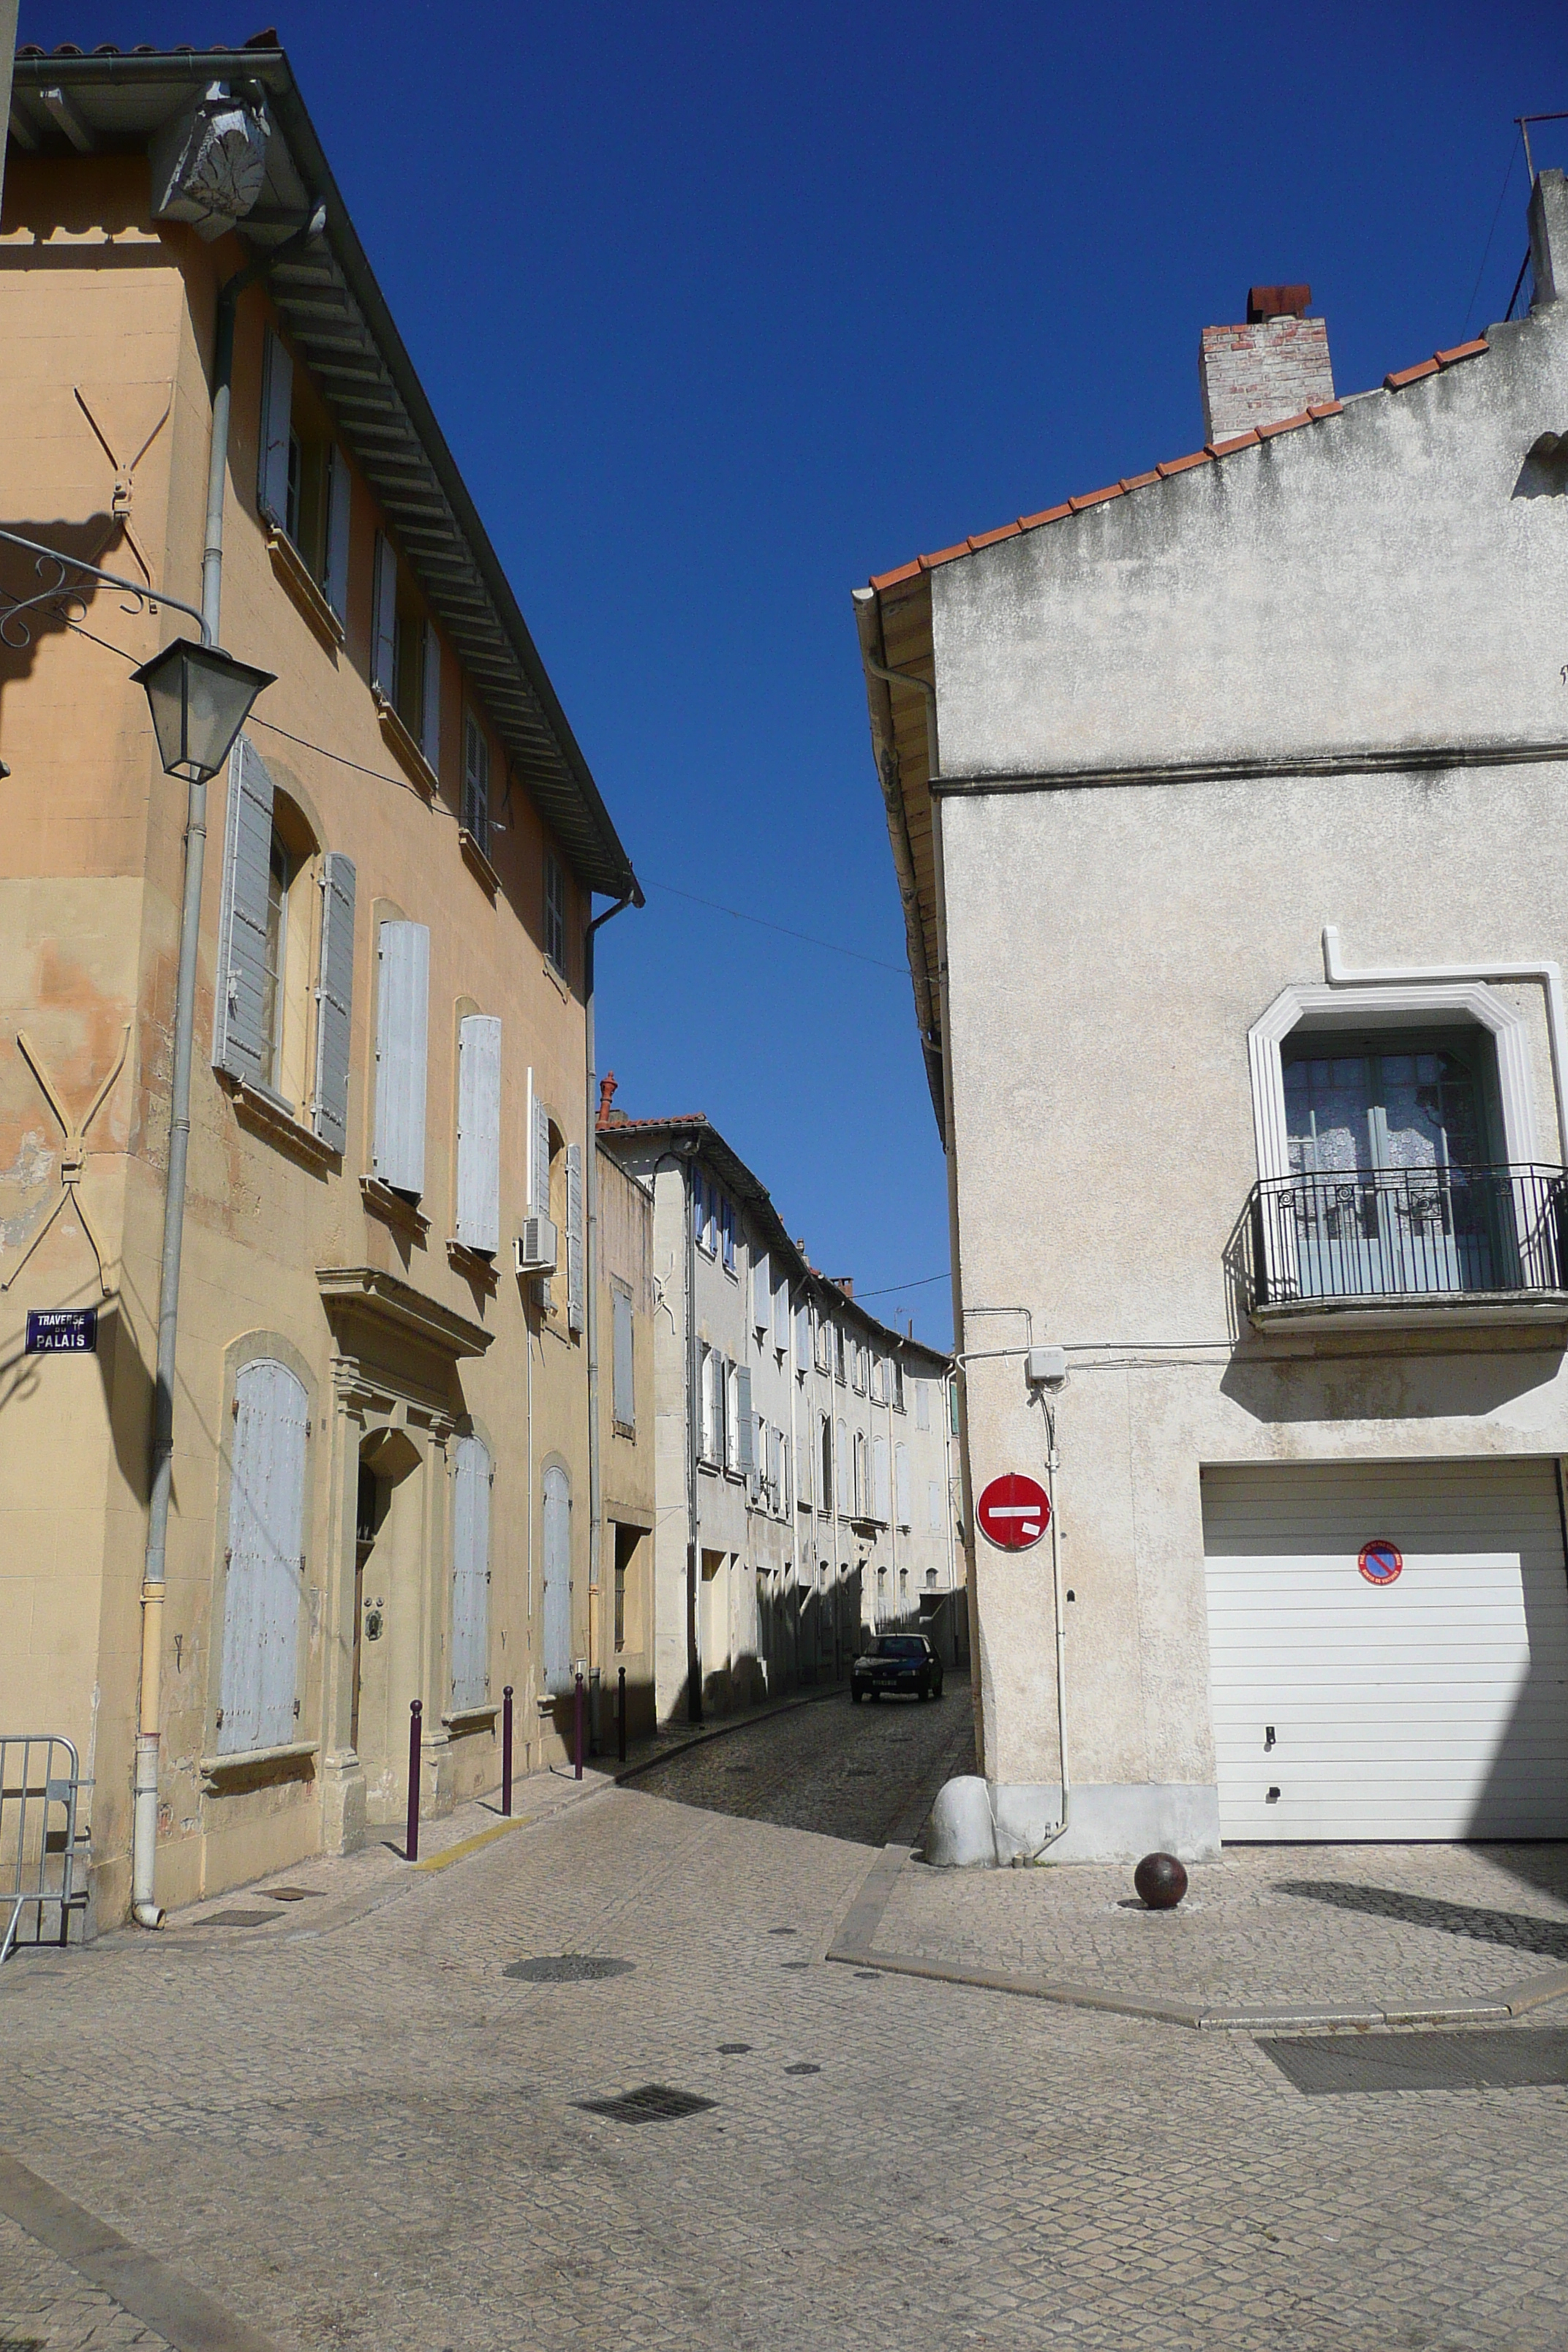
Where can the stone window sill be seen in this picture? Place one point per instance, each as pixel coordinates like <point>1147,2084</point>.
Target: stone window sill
<point>553,974</point>
<point>417,766</point>
<point>267,1115</point>
<point>462,1720</point>
<point>255,1763</point>
<point>477,864</point>
<point>392,1208</point>
<point>476,1264</point>
<point>295,575</point>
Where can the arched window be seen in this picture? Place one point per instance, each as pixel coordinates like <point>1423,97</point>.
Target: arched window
<point>259,1678</point>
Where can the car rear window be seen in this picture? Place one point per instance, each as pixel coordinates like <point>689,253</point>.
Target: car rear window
<point>901,1645</point>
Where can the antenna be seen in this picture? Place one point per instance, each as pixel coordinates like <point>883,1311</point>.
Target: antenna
<point>1524,122</point>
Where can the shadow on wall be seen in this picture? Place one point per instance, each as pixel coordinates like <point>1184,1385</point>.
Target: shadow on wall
<point>1384,1386</point>
<point>37,599</point>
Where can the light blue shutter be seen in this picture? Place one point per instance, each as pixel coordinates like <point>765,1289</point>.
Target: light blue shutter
<point>762,1295</point>
<point>239,1042</point>
<point>841,1483</point>
<point>383,620</point>
<point>557,1580</point>
<point>574,1307</point>
<point>277,409</point>
<point>335,577</point>
<point>922,1405</point>
<point>745,1428</point>
<point>264,1573</point>
<point>478,1132</point>
<point>901,1482</point>
<point>802,1337</point>
<point>335,1001</point>
<point>539,1152</point>
<point>402,1040</point>
<point>430,699</point>
<point>470,1573</point>
<point>879,1509</point>
<point>781,1316</point>
<point>624,1361</point>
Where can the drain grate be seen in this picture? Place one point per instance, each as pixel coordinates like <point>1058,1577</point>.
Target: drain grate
<point>567,1968</point>
<point>783,1931</point>
<point>803,2068</point>
<point>795,1964</point>
<point>654,2103</point>
<point>237,1919</point>
<point>733,2049</point>
<point>1510,2059</point>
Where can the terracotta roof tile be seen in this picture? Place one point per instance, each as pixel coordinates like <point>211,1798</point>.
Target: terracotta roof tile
<point>1315,415</point>
<point>1402,376</point>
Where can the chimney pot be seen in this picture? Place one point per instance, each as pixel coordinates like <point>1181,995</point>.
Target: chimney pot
<point>1277,302</point>
<point>1276,365</point>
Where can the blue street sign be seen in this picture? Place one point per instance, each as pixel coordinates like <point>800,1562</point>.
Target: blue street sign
<point>62,1331</point>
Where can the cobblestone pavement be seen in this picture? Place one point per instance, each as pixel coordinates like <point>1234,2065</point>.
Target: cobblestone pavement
<point>44,2302</point>
<point>1269,1925</point>
<point>368,2135</point>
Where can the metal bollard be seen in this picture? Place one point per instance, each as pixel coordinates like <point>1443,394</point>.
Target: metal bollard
<point>621,1716</point>
<point>577,1707</point>
<point>506,1749</point>
<point>411,1844</point>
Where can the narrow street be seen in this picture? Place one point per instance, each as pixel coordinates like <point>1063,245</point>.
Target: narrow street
<point>402,2124</point>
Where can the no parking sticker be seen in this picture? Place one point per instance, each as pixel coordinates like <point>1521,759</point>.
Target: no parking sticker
<point>1379,1563</point>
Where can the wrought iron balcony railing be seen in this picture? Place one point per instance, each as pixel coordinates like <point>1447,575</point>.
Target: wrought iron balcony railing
<point>1383,1235</point>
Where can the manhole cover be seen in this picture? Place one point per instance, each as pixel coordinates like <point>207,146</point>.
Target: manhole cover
<point>795,1964</point>
<point>567,1968</point>
<point>294,1893</point>
<point>237,1919</point>
<point>803,2069</point>
<point>783,1931</point>
<point>655,2103</point>
<point>1510,2059</point>
<point>733,2049</point>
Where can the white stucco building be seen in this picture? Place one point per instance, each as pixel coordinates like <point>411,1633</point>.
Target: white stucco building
<point>1224,804</point>
<point>805,1463</point>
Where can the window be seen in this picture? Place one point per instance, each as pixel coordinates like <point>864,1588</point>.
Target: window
<point>627,1621</point>
<point>857,1492</point>
<point>303,477</point>
<point>923,1405</point>
<point>402,1045</point>
<point>266,1574</point>
<point>740,1438</point>
<point>406,653</point>
<point>470,1573</point>
<point>715,1407</point>
<point>825,1448</point>
<point>478,1133</point>
<point>555,911</point>
<point>858,1367</point>
<point>784,1476</point>
<point>901,1482</point>
<point>727,1229</point>
<point>698,1206</point>
<point>823,1347</point>
<point>476,781</point>
<point>879,1501</point>
<point>839,1373</point>
<point>933,1503</point>
<point>781,1315</point>
<point>624,1403</point>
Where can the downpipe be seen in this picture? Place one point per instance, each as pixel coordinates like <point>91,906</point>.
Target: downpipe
<point>1053,1471</point>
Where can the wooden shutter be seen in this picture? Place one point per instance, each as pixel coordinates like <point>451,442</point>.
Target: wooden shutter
<point>430,698</point>
<point>401,1038</point>
<point>383,620</point>
<point>538,1151</point>
<point>277,410</point>
<point>557,1580</point>
<point>879,1509</point>
<point>901,1482</point>
<point>478,1132</point>
<point>922,1405</point>
<point>264,1573</point>
<point>239,1042</point>
<point>335,1001</point>
<point>761,1294</point>
<point>471,1572</point>
<point>335,576</point>
<point>624,1393</point>
<point>745,1428</point>
<point>574,1301</point>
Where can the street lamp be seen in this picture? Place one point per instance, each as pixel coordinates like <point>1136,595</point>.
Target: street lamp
<point>200,698</point>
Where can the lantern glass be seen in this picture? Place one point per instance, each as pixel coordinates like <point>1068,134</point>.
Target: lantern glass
<point>200,698</point>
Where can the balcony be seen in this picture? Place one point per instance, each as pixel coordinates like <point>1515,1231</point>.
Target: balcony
<point>1385,1248</point>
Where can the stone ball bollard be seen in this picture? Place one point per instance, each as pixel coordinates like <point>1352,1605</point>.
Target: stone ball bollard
<point>1160,1880</point>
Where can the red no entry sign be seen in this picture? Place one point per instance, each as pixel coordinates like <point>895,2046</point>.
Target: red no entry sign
<point>1014,1511</point>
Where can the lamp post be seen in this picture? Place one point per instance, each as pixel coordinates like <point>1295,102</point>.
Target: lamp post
<point>199,697</point>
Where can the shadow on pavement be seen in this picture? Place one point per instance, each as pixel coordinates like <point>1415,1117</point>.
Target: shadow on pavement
<point>1516,1929</point>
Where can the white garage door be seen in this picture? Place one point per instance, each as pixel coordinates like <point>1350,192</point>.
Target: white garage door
<point>1432,1706</point>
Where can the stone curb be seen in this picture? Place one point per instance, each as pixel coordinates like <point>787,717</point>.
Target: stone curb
<point>853,1946</point>
<point>138,2282</point>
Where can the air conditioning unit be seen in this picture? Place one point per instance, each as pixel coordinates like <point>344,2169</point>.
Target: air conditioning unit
<point>535,1247</point>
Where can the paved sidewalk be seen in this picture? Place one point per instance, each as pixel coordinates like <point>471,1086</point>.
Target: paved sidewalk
<point>1269,1935</point>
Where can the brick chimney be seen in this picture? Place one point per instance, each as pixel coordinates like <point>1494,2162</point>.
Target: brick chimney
<point>1273,367</point>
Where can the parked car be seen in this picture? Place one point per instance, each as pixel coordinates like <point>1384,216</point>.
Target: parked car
<point>897,1662</point>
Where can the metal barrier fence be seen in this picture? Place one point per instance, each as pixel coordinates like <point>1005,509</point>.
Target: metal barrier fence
<point>43,1854</point>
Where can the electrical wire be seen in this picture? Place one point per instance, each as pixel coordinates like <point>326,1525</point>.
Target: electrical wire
<point>1497,215</point>
<point>888,1287</point>
<point>741,916</point>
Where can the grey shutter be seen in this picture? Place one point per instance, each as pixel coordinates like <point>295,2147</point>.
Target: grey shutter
<point>538,1153</point>
<point>383,620</point>
<point>901,1482</point>
<point>625,1359</point>
<point>574,1311</point>
<point>402,1034</point>
<point>557,1580</point>
<point>781,1316</point>
<point>761,1294</point>
<point>922,1405</point>
<point>879,1508</point>
<point>933,1503</point>
<point>335,1001</point>
<point>478,1132</point>
<point>277,409</point>
<point>430,700</point>
<point>335,578</point>
<point>470,1573</point>
<point>803,1337</point>
<point>265,1573</point>
<point>745,1430</point>
<point>239,1044</point>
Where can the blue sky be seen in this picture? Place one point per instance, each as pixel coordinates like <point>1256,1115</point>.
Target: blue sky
<point>723,309</point>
